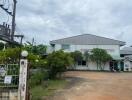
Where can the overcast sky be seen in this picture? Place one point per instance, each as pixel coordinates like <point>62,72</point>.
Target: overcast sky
<point>47,20</point>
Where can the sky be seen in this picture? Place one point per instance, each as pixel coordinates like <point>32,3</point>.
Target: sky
<point>47,20</point>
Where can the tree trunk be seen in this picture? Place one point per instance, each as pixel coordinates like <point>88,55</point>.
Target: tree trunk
<point>97,65</point>
<point>103,65</point>
<point>87,63</point>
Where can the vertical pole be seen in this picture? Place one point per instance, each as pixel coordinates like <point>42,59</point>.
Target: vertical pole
<point>13,20</point>
<point>27,88</point>
<point>20,48</point>
<point>22,91</point>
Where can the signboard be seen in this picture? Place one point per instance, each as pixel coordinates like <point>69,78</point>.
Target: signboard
<point>7,79</point>
<point>23,79</point>
<point>2,70</point>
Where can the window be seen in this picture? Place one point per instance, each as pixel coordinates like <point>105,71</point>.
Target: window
<point>65,46</point>
<point>82,63</point>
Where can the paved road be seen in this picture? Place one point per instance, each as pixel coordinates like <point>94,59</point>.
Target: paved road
<point>96,86</point>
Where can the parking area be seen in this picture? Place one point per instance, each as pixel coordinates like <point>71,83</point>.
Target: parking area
<point>85,85</point>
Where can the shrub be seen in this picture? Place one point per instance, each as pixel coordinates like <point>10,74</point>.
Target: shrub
<point>37,78</point>
<point>57,62</point>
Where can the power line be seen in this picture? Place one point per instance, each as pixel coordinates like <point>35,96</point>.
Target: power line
<point>12,14</point>
<point>6,7</point>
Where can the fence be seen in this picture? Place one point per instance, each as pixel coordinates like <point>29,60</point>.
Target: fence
<point>9,78</point>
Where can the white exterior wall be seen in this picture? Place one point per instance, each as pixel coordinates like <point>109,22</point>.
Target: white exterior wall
<point>113,50</point>
<point>92,66</point>
<point>57,47</point>
<point>127,65</point>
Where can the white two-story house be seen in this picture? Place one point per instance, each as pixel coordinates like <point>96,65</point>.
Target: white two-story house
<point>87,42</point>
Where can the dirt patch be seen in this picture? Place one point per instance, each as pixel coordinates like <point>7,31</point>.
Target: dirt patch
<point>96,86</point>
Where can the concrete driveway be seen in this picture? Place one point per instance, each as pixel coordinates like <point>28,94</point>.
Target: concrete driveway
<point>96,86</point>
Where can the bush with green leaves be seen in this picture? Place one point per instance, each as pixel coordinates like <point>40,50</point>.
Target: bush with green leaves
<point>57,62</point>
<point>1,46</point>
<point>100,56</point>
<point>37,78</point>
<point>77,56</point>
<point>10,55</point>
<point>35,49</point>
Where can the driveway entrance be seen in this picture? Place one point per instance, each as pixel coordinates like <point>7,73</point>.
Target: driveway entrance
<point>96,86</point>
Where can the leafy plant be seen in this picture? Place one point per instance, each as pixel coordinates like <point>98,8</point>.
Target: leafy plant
<point>77,56</point>
<point>37,78</point>
<point>58,62</point>
<point>100,56</point>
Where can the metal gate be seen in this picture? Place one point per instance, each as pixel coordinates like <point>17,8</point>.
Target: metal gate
<point>9,78</point>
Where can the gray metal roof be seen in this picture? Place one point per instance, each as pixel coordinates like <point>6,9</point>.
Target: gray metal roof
<point>88,39</point>
<point>126,51</point>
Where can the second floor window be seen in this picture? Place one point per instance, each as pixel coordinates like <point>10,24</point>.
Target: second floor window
<point>65,46</point>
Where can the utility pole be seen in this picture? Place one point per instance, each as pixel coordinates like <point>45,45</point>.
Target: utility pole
<point>13,20</point>
<point>13,14</point>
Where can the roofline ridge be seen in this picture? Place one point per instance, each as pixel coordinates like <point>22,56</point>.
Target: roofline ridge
<point>88,34</point>
<point>68,37</point>
<point>107,38</point>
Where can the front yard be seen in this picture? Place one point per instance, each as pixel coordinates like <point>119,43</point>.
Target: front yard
<point>47,89</point>
<point>96,86</point>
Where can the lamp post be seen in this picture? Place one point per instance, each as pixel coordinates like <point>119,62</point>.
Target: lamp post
<point>22,90</point>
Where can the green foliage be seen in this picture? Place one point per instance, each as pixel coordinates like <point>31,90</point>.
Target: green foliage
<point>9,55</point>
<point>39,64</point>
<point>100,56</point>
<point>37,49</point>
<point>36,61</point>
<point>2,57</point>
<point>13,55</point>
<point>37,78</point>
<point>77,56</point>
<point>28,48</point>
<point>58,62</point>
<point>1,46</point>
<point>39,92</point>
<point>32,57</point>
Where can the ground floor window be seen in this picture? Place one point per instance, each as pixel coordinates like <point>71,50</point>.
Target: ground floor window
<point>82,63</point>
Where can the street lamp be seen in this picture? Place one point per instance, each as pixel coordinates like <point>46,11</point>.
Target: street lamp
<point>24,54</point>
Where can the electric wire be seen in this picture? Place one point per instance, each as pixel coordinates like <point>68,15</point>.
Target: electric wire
<point>7,4</point>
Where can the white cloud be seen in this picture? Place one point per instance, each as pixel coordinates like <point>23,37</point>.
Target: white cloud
<point>53,19</point>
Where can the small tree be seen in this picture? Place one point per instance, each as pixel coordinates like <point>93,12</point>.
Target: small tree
<point>57,62</point>
<point>10,54</point>
<point>36,49</point>
<point>100,56</point>
<point>77,56</point>
<point>106,58</point>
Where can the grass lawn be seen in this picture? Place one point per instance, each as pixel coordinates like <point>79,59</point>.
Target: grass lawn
<point>40,91</point>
